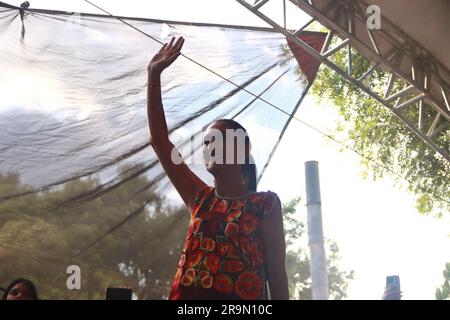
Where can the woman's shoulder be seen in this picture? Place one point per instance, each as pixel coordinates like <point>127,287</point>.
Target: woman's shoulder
<point>268,200</point>
<point>203,193</point>
<point>268,195</point>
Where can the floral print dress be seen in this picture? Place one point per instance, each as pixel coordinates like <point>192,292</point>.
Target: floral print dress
<point>223,256</point>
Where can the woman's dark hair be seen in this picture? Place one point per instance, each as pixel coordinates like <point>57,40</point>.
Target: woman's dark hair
<point>249,167</point>
<point>28,283</point>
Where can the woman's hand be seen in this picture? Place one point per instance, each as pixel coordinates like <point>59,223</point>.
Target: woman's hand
<point>186,182</point>
<point>165,56</point>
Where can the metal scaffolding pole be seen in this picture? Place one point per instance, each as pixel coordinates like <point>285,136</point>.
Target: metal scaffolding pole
<point>421,80</point>
<point>317,261</point>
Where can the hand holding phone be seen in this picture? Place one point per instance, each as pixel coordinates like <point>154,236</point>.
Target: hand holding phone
<point>392,290</point>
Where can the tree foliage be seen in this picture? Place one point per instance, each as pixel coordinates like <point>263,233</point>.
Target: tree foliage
<point>297,259</point>
<point>443,293</point>
<point>41,244</point>
<point>388,147</point>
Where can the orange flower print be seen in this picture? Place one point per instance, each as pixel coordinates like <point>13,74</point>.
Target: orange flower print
<point>233,252</point>
<point>202,274</point>
<point>230,266</point>
<point>194,258</point>
<point>235,210</point>
<point>222,248</point>
<point>177,277</point>
<point>194,225</point>
<point>258,260</point>
<point>194,243</point>
<point>212,262</point>
<point>220,207</point>
<point>233,215</point>
<point>248,223</point>
<point>209,203</point>
<point>238,204</point>
<point>206,280</point>
<point>188,278</point>
<point>248,285</point>
<point>195,208</point>
<point>256,254</point>
<point>254,201</point>
<point>205,215</point>
<point>268,203</point>
<point>244,241</point>
<point>232,231</point>
<point>207,244</point>
<point>182,260</point>
<point>222,283</point>
<point>253,248</point>
<point>187,244</point>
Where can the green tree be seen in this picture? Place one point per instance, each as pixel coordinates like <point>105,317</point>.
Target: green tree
<point>38,240</point>
<point>297,259</point>
<point>372,130</point>
<point>443,293</point>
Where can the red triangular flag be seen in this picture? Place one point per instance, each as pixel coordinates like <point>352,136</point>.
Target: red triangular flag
<point>308,64</point>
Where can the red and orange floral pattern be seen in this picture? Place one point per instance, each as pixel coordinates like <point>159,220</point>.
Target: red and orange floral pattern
<point>223,255</point>
<point>248,285</point>
<point>223,283</point>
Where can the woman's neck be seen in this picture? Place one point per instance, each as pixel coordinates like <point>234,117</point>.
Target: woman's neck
<point>228,186</point>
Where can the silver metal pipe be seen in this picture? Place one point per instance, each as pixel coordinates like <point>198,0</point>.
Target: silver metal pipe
<point>317,261</point>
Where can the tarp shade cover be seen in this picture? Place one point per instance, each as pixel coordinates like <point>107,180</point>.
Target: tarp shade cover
<point>73,106</point>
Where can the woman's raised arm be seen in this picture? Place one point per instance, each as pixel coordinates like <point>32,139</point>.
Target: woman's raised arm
<point>185,181</point>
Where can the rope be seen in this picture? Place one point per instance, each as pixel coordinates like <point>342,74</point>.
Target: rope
<point>276,107</point>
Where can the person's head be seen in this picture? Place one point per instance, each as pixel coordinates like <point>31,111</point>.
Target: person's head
<point>227,151</point>
<point>21,289</point>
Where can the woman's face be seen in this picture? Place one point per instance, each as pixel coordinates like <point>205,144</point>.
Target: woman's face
<point>19,292</point>
<point>223,147</point>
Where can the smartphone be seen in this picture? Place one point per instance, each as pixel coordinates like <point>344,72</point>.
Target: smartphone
<point>392,290</point>
<point>118,294</point>
<point>392,281</point>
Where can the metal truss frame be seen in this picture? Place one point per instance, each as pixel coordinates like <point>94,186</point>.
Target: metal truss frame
<point>417,83</point>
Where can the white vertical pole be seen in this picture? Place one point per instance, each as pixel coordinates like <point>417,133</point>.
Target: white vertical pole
<point>317,263</point>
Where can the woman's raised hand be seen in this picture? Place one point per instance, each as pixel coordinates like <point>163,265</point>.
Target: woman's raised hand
<point>168,53</point>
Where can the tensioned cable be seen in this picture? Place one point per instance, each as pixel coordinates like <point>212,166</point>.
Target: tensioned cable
<point>275,147</point>
<point>30,252</point>
<point>160,177</point>
<point>139,210</point>
<point>276,107</point>
<point>212,105</point>
<point>272,105</point>
<point>291,116</point>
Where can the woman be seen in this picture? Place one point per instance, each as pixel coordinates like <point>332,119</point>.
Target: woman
<point>21,289</point>
<point>235,241</point>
